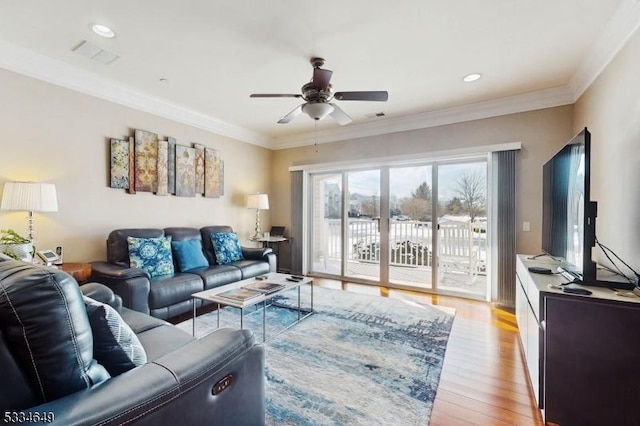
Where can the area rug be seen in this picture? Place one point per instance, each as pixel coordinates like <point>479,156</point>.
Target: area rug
<point>359,360</point>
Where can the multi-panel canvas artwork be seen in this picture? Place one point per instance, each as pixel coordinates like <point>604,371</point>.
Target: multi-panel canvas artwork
<point>146,164</point>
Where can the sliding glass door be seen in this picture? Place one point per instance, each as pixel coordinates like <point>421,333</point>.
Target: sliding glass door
<point>410,226</point>
<point>419,227</point>
<point>363,225</point>
<point>326,224</point>
<point>462,228</point>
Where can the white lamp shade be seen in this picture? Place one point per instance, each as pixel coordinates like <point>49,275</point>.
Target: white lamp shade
<point>29,196</point>
<point>258,201</point>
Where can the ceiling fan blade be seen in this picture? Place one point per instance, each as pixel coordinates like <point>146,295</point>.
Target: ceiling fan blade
<point>380,96</point>
<point>339,115</point>
<point>293,114</point>
<point>274,95</point>
<point>321,78</point>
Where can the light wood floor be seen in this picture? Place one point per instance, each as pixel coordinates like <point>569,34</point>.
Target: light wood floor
<point>484,380</point>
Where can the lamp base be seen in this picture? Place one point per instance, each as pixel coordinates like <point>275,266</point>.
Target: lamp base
<point>256,232</point>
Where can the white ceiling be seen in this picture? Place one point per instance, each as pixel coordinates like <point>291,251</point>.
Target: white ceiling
<point>531,54</point>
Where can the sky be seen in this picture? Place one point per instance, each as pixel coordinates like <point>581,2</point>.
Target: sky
<point>405,180</point>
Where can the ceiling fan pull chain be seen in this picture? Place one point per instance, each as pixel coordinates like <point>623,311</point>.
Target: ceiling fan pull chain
<point>315,129</point>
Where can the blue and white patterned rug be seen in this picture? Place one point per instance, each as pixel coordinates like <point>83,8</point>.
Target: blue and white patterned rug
<point>359,360</point>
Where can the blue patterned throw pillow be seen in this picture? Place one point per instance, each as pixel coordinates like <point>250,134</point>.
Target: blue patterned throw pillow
<point>227,247</point>
<point>151,254</point>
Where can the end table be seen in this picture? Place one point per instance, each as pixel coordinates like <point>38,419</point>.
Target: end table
<point>80,271</point>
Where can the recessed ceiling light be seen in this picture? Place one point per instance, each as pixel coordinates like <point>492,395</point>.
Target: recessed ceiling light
<point>471,77</point>
<point>102,30</point>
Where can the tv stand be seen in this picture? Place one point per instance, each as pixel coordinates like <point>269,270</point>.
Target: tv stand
<point>579,350</point>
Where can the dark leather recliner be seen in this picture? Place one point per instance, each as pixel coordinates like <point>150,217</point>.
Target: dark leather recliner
<point>49,372</point>
<point>170,295</point>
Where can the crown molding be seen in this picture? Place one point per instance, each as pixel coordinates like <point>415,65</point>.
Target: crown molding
<point>547,98</point>
<point>622,25</point>
<point>26,62</point>
<point>403,160</point>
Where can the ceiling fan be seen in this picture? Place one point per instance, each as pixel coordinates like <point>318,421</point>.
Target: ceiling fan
<point>318,96</point>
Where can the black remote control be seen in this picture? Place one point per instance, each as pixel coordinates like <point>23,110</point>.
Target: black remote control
<point>576,290</point>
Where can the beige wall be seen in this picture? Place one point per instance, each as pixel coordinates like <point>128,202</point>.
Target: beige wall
<point>610,109</point>
<point>541,133</point>
<point>52,134</point>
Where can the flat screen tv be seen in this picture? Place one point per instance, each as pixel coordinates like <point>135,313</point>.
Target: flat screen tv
<point>569,216</point>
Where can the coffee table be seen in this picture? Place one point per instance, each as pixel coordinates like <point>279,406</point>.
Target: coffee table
<point>214,295</point>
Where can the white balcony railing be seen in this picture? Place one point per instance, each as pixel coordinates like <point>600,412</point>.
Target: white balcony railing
<point>462,244</point>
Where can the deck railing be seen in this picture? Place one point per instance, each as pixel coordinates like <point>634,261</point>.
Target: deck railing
<point>410,241</point>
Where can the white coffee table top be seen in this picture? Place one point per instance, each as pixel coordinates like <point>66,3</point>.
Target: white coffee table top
<point>212,295</point>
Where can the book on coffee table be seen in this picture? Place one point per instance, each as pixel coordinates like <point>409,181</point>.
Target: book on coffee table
<point>240,294</point>
<point>264,287</point>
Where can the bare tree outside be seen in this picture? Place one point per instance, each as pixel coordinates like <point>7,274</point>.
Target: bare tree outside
<point>471,190</point>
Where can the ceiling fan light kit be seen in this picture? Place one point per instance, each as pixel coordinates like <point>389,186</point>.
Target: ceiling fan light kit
<point>317,110</point>
<point>318,96</point>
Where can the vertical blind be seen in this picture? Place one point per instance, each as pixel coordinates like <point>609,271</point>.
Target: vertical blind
<point>504,250</point>
<point>297,194</point>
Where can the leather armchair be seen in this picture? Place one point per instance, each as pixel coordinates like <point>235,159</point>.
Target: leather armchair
<point>41,308</point>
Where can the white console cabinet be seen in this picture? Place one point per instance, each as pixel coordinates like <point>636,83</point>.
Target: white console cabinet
<point>528,318</point>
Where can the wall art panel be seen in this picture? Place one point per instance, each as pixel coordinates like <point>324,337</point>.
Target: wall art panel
<point>146,161</point>
<point>185,171</point>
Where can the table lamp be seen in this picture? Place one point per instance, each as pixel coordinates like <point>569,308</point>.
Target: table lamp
<point>259,202</point>
<point>31,197</point>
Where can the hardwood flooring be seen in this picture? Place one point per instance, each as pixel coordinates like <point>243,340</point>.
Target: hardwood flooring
<point>484,380</point>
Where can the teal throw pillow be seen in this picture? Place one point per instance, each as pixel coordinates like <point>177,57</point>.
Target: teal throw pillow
<point>227,247</point>
<point>188,254</point>
<point>151,254</point>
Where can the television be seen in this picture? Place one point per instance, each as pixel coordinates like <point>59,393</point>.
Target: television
<point>569,215</point>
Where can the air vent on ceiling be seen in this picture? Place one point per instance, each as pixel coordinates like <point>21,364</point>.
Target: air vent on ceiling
<point>91,51</point>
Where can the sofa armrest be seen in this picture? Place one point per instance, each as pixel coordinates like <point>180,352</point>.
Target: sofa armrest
<point>117,271</point>
<point>102,294</point>
<point>131,284</point>
<point>265,254</point>
<point>253,253</point>
<point>177,388</point>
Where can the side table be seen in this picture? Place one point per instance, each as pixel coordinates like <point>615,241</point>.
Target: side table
<point>80,271</point>
<point>274,243</point>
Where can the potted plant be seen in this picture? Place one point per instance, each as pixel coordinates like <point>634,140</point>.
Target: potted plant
<point>14,245</point>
